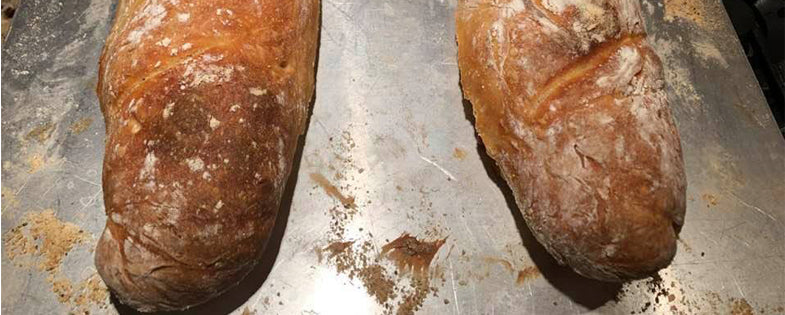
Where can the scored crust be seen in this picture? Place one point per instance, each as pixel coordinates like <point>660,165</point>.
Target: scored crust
<point>570,103</point>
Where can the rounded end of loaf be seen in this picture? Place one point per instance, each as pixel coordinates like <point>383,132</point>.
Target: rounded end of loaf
<point>619,251</point>
<point>150,282</point>
<point>632,263</point>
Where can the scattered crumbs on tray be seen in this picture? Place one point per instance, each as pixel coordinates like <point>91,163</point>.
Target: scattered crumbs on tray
<point>741,307</point>
<point>41,242</point>
<point>698,12</point>
<point>400,289</point>
<point>690,10</point>
<point>398,279</point>
<point>43,236</point>
<point>677,297</point>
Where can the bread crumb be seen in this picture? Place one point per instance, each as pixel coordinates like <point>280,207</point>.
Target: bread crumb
<point>36,162</point>
<point>459,154</point>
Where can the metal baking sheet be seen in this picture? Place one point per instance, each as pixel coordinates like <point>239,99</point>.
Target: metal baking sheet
<point>390,129</point>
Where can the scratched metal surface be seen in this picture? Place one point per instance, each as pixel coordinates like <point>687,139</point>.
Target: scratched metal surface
<point>388,128</point>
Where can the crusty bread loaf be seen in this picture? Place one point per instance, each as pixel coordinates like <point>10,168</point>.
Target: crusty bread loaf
<point>569,101</point>
<point>204,102</point>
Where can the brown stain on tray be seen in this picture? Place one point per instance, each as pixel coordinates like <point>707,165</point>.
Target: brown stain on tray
<point>41,133</point>
<point>410,254</point>
<point>80,125</point>
<point>332,191</point>
<point>503,262</point>
<point>528,273</point>
<point>459,154</point>
<point>710,199</point>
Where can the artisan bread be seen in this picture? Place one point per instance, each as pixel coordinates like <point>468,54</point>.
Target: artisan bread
<point>569,101</point>
<point>204,102</point>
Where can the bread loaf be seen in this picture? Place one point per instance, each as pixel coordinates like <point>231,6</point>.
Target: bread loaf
<point>569,102</point>
<point>204,102</point>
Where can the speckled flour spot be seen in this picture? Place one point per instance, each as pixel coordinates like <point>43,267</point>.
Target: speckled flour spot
<point>153,15</point>
<point>257,91</point>
<point>195,164</point>
<point>168,110</point>
<point>164,42</point>
<point>148,169</point>
<point>214,123</point>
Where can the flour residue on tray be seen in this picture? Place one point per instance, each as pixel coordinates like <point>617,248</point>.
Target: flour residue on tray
<point>41,242</point>
<point>708,52</point>
<point>677,73</point>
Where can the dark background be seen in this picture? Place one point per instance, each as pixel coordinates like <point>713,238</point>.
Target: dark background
<point>760,25</point>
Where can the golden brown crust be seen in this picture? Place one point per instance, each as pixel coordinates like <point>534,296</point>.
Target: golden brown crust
<point>204,102</point>
<point>569,101</point>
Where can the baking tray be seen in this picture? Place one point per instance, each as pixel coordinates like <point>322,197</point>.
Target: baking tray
<point>391,151</point>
